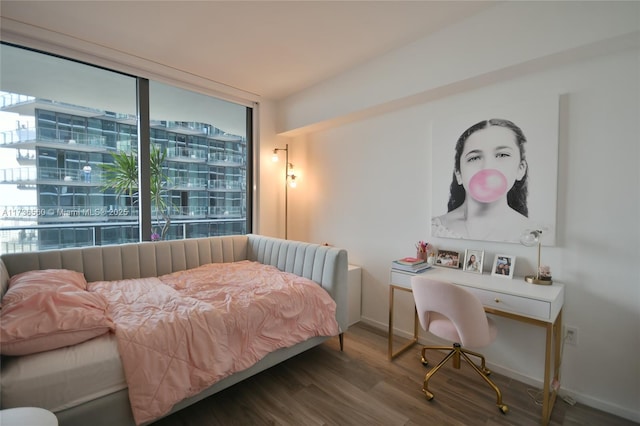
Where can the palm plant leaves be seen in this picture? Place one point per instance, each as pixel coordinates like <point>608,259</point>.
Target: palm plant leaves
<point>158,177</point>
<point>122,174</point>
<point>122,177</point>
<point>158,180</point>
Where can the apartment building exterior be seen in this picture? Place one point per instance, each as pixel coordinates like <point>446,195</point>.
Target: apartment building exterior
<point>60,150</point>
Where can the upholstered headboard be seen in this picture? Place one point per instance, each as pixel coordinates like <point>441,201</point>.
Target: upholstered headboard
<point>325,265</point>
<point>135,260</point>
<point>4,278</point>
<point>328,266</point>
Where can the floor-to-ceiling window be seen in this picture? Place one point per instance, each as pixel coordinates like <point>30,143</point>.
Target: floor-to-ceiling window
<point>63,123</point>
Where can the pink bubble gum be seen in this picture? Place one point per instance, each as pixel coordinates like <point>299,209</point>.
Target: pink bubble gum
<point>488,185</point>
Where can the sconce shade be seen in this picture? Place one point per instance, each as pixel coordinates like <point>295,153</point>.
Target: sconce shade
<point>530,238</point>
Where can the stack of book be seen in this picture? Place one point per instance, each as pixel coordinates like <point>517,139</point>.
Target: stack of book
<point>410,264</point>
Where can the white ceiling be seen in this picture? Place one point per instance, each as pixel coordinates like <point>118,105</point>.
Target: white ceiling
<point>269,48</point>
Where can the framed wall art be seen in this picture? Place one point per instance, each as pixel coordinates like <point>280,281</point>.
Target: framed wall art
<point>473,261</point>
<point>503,266</point>
<point>501,160</point>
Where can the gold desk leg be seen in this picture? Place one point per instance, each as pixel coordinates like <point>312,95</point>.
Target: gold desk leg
<point>390,352</point>
<point>546,412</point>
<point>412,341</point>
<point>558,344</point>
<point>553,338</point>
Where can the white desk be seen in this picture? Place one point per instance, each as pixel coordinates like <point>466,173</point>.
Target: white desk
<point>539,305</point>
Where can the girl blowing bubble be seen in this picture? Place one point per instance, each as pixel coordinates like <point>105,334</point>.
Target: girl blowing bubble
<point>491,168</point>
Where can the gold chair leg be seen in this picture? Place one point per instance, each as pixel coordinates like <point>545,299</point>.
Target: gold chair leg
<point>435,348</point>
<point>434,370</point>
<point>499,403</point>
<point>483,366</point>
<point>455,354</point>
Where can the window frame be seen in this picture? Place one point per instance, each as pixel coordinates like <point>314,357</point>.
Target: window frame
<point>143,125</point>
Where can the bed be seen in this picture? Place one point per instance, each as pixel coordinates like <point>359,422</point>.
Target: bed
<point>93,381</point>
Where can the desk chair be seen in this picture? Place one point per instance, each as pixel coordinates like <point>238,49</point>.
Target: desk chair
<point>454,314</point>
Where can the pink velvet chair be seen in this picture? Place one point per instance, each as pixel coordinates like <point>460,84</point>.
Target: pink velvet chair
<point>454,314</point>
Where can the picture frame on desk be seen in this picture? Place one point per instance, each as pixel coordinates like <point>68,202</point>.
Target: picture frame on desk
<point>473,261</point>
<point>503,266</point>
<point>448,258</point>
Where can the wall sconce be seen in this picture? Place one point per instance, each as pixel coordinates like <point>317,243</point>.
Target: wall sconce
<point>530,238</point>
<point>289,181</point>
<point>291,175</point>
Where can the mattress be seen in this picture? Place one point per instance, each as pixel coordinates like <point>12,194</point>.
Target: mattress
<point>63,378</point>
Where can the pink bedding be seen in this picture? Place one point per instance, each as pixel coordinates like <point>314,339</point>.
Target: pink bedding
<point>180,333</point>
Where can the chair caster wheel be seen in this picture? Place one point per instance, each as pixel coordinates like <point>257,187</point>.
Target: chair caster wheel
<point>503,408</point>
<point>427,394</point>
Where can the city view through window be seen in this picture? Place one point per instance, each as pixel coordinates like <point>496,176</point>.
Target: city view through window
<point>69,158</point>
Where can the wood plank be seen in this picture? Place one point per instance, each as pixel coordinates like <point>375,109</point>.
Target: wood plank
<point>359,386</point>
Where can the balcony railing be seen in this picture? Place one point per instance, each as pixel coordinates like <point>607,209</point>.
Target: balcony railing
<point>34,175</point>
<point>184,212</point>
<point>226,159</point>
<point>48,213</point>
<point>54,213</point>
<point>226,185</point>
<point>192,154</point>
<point>33,135</point>
<point>221,211</point>
<point>18,239</point>
<point>52,175</point>
<point>14,99</point>
<point>188,183</point>
<point>26,157</point>
<point>19,175</point>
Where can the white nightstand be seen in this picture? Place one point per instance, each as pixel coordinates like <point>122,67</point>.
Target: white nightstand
<point>31,416</point>
<point>355,289</point>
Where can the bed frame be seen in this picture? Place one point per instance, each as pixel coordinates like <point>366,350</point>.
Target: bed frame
<point>327,266</point>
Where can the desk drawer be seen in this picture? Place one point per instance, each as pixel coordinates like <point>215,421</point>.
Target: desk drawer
<point>516,304</point>
<point>401,279</point>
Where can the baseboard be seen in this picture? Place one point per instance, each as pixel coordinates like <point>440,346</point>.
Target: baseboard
<point>531,381</point>
<point>605,406</point>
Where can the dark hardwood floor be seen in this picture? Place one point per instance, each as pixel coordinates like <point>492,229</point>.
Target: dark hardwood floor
<point>359,386</point>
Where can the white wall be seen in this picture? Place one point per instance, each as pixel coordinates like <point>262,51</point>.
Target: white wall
<point>269,175</point>
<point>507,40</point>
<point>367,186</point>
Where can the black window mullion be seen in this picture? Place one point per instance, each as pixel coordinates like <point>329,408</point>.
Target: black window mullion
<point>144,163</point>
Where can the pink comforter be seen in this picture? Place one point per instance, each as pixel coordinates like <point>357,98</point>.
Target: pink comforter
<point>180,333</point>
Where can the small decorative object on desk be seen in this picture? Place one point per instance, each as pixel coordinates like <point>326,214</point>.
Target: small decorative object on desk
<point>531,238</point>
<point>410,261</point>
<point>410,264</point>
<point>503,266</point>
<point>423,249</point>
<point>544,274</point>
<point>448,258</point>
<point>473,261</point>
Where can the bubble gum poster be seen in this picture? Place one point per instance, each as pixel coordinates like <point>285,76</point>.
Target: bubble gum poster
<point>495,172</point>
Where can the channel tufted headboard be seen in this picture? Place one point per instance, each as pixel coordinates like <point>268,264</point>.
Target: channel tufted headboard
<point>325,265</point>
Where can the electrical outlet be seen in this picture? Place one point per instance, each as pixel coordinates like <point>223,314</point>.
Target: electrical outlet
<point>571,335</point>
